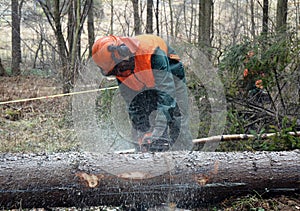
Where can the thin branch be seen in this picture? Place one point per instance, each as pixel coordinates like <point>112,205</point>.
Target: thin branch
<point>237,137</point>
<point>84,14</point>
<point>253,106</point>
<point>48,14</point>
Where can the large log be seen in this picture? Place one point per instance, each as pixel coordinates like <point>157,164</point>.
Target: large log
<point>187,179</point>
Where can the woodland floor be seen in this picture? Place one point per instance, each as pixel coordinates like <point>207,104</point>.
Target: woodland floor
<point>46,126</point>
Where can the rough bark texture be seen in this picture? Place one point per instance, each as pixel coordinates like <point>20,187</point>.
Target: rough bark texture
<point>149,22</point>
<point>281,15</point>
<point>205,24</point>
<point>188,179</point>
<point>2,69</point>
<point>16,37</point>
<point>137,20</point>
<point>91,26</point>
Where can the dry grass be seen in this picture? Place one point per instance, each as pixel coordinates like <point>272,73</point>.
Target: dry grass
<point>34,126</point>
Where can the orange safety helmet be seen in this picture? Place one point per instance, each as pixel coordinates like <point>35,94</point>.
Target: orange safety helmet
<point>103,54</point>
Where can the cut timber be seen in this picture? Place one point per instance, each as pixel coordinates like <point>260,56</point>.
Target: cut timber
<point>194,178</point>
<point>235,137</point>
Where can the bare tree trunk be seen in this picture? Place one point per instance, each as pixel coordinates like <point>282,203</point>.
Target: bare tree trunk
<point>171,18</point>
<point>205,20</point>
<point>265,20</point>
<point>111,16</point>
<point>252,18</point>
<point>165,22</point>
<point>62,49</point>
<point>54,14</point>
<point>157,17</point>
<point>16,37</point>
<point>188,179</point>
<point>137,20</point>
<point>76,37</point>
<point>91,28</point>
<point>187,32</point>
<point>2,70</point>
<point>149,22</point>
<point>40,48</point>
<point>189,25</point>
<point>71,24</point>
<point>281,15</point>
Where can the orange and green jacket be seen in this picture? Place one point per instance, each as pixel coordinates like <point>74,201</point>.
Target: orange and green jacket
<point>156,66</point>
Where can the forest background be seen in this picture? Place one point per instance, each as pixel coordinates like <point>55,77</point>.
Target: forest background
<point>46,46</point>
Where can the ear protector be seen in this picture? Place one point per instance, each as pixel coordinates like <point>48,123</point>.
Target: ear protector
<point>122,50</point>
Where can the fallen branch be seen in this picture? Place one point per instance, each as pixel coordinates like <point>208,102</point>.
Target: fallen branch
<point>235,137</point>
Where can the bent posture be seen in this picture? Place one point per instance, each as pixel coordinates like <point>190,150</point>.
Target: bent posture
<point>151,79</point>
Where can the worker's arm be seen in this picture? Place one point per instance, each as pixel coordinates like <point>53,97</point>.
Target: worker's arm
<point>164,84</point>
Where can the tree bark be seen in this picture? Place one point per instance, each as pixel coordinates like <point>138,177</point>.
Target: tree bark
<point>265,20</point>
<point>62,49</point>
<point>91,27</point>
<point>16,37</point>
<point>71,24</point>
<point>253,25</point>
<point>171,24</point>
<point>281,15</point>
<point>205,25</point>
<point>2,69</point>
<point>137,20</point>
<point>188,179</point>
<point>157,17</point>
<point>149,21</point>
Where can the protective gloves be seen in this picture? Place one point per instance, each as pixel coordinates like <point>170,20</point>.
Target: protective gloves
<point>151,143</point>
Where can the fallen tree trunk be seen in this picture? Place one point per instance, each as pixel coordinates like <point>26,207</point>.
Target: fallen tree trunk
<point>187,179</point>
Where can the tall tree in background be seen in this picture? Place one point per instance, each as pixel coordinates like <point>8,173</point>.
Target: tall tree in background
<point>71,24</point>
<point>75,48</point>
<point>2,69</point>
<point>91,27</point>
<point>16,37</point>
<point>265,19</point>
<point>252,18</point>
<point>281,15</point>
<point>137,20</point>
<point>149,22</point>
<point>171,18</point>
<point>111,17</point>
<point>157,17</point>
<point>62,48</point>
<point>205,24</point>
<point>68,53</point>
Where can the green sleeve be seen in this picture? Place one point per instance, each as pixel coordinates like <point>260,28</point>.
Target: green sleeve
<point>165,85</point>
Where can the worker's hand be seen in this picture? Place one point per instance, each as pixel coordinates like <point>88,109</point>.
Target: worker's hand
<point>154,144</point>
